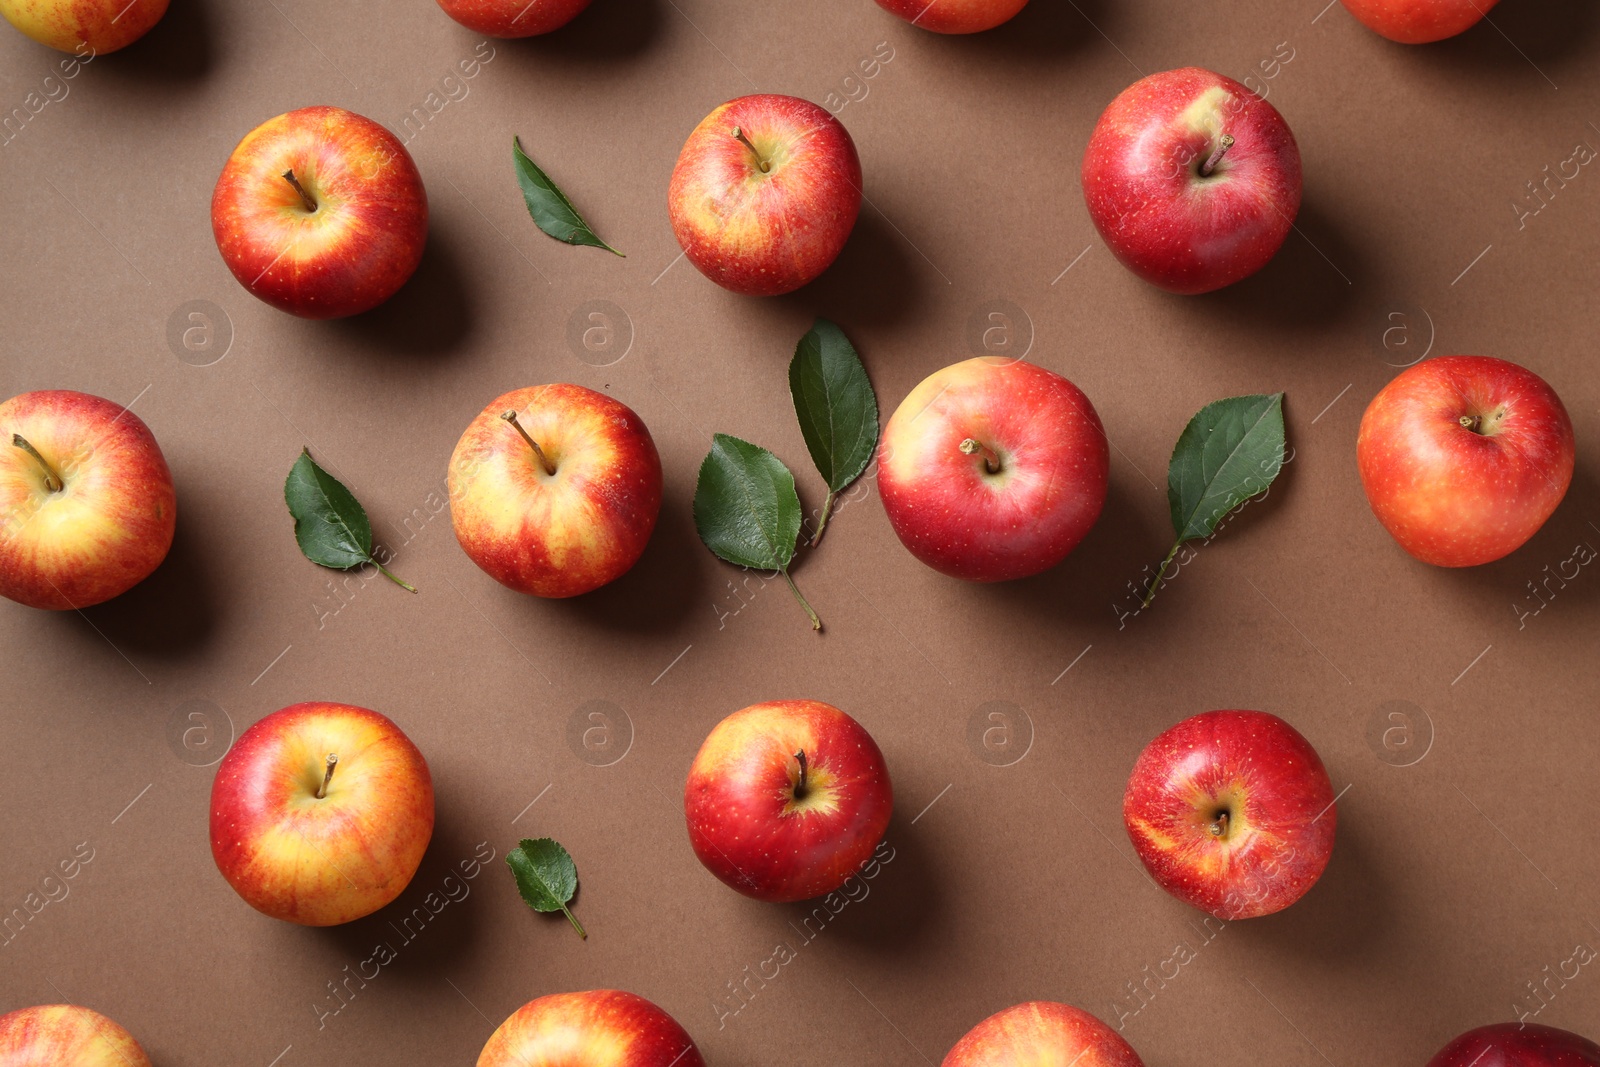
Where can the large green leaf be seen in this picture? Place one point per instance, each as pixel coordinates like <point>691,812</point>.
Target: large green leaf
<point>1230,451</point>
<point>745,505</point>
<point>551,210</point>
<point>834,402</point>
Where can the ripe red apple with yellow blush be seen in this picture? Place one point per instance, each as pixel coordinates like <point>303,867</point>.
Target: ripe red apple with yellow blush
<point>1419,21</point>
<point>955,16</point>
<point>601,1027</point>
<point>320,813</point>
<point>993,469</point>
<point>1463,458</point>
<point>87,507</point>
<point>765,193</point>
<point>320,212</point>
<point>787,799</point>
<point>1041,1033</point>
<point>1518,1045</point>
<point>555,489</point>
<point>85,28</point>
<point>1232,812</point>
<point>1192,180</point>
<point>513,18</point>
<point>65,1035</point>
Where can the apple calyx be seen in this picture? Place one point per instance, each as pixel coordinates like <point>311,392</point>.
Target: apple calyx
<point>1224,143</point>
<point>544,460</point>
<point>322,790</point>
<point>305,197</point>
<point>52,480</point>
<point>800,787</point>
<point>991,460</point>
<point>738,134</point>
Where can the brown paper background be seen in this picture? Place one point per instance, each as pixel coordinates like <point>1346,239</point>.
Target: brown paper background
<point>1456,879</point>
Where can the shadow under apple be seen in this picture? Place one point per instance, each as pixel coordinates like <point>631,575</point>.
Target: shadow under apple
<point>178,50</point>
<point>1517,37</point>
<point>873,283</point>
<point>668,583</point>
<point>606,31</point>
<point>1041,33</point>
<point>431,315</point>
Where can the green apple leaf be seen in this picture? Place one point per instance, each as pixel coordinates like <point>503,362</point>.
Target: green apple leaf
<point>549,206</point>
<point>546,877</point>
<point>747,511</point>
<point>1231,451</point>
<point>837,409</point>
<point>330,525</point>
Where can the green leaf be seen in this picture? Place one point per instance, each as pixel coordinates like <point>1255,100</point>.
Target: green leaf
<point>837,409</point>
<point>746,509</point>
<point>1231,451</point>
<point>546,877</point>
<point>549,206</point>
<point>330,525</point>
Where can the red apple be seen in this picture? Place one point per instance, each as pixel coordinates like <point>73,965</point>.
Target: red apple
<point>1419,21</point>
<point>1464,457</point>
<point>1518,1045</point>
<point>87,508</point>
<point>85,28</point>
<point>603,1026</point>
<point>63,1035</point>
<point>555,489</point>
<point>955,16</point>
<point>320,813</point>
<point>1232,811</point>
<point>320,212</point>
<point>765,193</point>
<point>1192,180</point>
<point>513,18</point>
<point>1042,1033</point>
<point>993,469</point>
<point>787,799</point>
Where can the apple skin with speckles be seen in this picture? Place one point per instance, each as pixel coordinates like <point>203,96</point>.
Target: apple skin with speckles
<point>1042,1032</point>
<point>1232,812</point>
<point>1518,1045</point>
<point>1463,458</point>
<point>993,469</point>
<point>1192,179</point>
<point>85,28</point>
<point>1419,21</point>
<point>65,1035</point>
<point>765,218</point>
<point>601,1026</point>
<point>513,18</point>
<point>760,827</point>
<point>955,16</point>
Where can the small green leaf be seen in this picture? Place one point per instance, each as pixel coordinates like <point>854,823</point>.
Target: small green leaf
<point>1231,451</point>
<point>330,525</point>
<point>549,206</point>
<point>746,509</point>
<point>546,877</point>
<point>837,409</point>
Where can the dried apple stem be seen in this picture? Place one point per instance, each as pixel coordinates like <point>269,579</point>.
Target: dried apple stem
<point>742,139</point>
<point>816,623</point>
<point>1224,143</point>
<point>1219,826</point>
<point>52,480</point>
<point>544,460</point>
<point>991,461</point>
<point>800,786</point>
<point>322,790</point>
<point>305,197</point>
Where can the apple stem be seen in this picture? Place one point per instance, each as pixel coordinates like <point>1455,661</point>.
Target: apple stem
<point>305,197</point>
<point>1224,143</point>
<point>822,522</point>
<point>1155,583</point>
<point>816,623</point>
<point>1472,422</point>
<point>739,136</point>
<point>1219,826</point>
<point>52,480</point>
<point>544,460</point>
<point>991,461</point>
<point>322,790</point>
<point>800,786</point>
